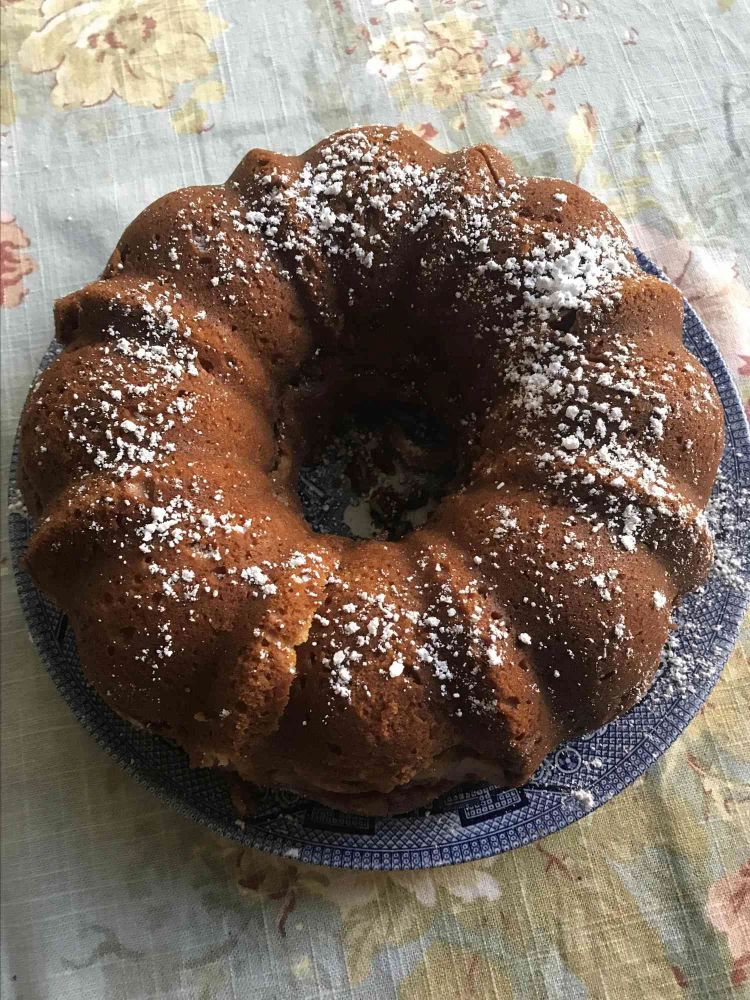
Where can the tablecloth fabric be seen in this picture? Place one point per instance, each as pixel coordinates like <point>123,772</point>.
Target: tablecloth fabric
<point>107,104</point>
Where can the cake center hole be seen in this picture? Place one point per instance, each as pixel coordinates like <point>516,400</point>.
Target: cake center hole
<point>381,473</point>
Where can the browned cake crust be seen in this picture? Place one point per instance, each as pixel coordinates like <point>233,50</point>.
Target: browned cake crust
<point>160,454</point>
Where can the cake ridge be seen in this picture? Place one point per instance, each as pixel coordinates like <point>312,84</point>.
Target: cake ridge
<point>232,324</point>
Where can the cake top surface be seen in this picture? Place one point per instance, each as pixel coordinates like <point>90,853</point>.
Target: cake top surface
<point>588,396</point>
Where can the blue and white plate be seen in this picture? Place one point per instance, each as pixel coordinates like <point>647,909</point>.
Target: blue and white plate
<point>471,822</point>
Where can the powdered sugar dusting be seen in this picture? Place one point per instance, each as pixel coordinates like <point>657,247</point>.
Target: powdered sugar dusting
<point>581,486</point>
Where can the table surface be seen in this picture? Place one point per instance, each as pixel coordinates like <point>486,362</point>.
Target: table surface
<point>107,104</point>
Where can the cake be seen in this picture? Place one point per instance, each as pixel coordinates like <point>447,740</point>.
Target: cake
<point>232,330</point>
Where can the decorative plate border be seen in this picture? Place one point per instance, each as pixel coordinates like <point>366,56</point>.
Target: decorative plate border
<point>468,823</point>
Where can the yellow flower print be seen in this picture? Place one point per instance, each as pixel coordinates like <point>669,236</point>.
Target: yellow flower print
<point>448,76</point>
<point>351,890</point>
<point>455,62</point>
<point>139,50</point>
<point>18,18</point>
<point>456,31</point>
<point>192,117</point>
<point>463,974</point>
<point>583,128</point>
<point>7,99</point>
<point>403,50</point>
<point>442,59</point>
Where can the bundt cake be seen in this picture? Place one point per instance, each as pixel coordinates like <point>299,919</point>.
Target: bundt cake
<point>233,329</point>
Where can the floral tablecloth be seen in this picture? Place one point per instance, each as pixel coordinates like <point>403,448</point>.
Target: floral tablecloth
<point>107,104</point>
